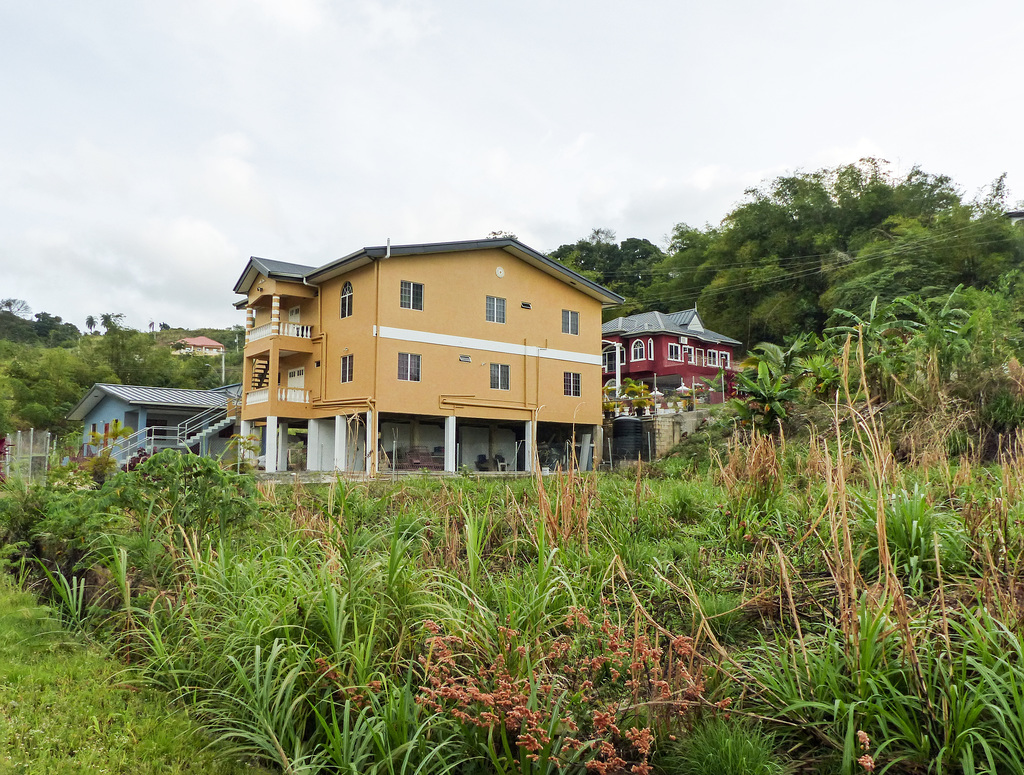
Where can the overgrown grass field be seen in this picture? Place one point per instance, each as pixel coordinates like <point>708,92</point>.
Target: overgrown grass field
<point>773,607</point>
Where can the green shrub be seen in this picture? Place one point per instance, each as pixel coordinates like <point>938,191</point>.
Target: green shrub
<point>720,746</point>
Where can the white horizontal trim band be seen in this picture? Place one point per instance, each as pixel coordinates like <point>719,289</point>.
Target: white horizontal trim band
<point>468,343</point>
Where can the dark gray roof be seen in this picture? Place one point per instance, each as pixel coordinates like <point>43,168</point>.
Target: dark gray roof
<point>684,323</point>
<point>270,268</point>
<point>139,395</point>
<point>367,254</point>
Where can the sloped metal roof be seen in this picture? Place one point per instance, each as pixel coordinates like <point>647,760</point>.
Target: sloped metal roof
<point>678,323</point>
<point>139,395</point>
<point>367,254</point>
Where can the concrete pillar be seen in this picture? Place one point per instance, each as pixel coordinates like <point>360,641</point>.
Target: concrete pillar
<point>313,442</point>
<point>340,443</point>
<point>450,460</point>
<point>245,431</point>
<point>371,443</point>
<point>250,321</point>
<point>282,446</point>
<point>275,315</point>
<point>270,436</point>
<point>528,445</point>
<point>598,445</point>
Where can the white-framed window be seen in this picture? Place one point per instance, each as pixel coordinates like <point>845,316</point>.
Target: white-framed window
<point>674,353</point>
<point>688,354</point>
<point>495,309</point>
<point>501,376</point>
<point>608,358</point>
<point>639,351</point>
<point>571,384</point>
<point>650,349</point>
<point>712,357</point>
<point>570,322</point>
<point>409,367</point>
<point>411,296</point>
<point>725,359</point>
<point>346,300</point>
<point>698,357</point>
<point>346,368</point>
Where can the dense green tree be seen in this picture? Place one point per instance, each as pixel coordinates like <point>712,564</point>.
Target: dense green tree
<point>804,245</point>
<point>625,267</point>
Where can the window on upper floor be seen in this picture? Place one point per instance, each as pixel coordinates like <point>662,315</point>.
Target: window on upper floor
<point>346,300</point>
<point>698,357</point>
<point>674,353</point>
<point>725,359</point>
<point>650,349</point>
<point>688,354</point>
<point>639,351</point>
<point>712,357</point>
<point>571,383</point>
<point>501,376</point>
<point>608,359</point>
<point>409,367</point>
<point>570,322</point>
<point>346,368</point>
<point>495,309</point>
<point>412,295</point>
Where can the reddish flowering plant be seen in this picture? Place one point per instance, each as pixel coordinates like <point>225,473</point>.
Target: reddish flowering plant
<point>591,694</point>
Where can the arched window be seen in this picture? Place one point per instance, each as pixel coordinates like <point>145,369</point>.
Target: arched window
<point>346,300</point>
<point>650,349</point>
<point>639,352</point>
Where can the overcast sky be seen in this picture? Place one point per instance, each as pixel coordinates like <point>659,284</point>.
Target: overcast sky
<point>147,149</point>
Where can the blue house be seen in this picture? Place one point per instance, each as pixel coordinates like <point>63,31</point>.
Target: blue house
<point>202,421</point>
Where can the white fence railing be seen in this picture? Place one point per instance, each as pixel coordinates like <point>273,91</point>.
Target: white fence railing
<point>260,396</point>
<point>294,329</point>
<point>293,395</point>
<point>287,329</point>
<point>259,332</point>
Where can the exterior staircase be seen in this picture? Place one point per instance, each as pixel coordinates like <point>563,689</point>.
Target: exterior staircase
<point>196,430</point>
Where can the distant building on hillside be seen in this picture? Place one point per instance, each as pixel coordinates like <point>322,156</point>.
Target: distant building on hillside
<point>198,345</point>
<point>667,350</point>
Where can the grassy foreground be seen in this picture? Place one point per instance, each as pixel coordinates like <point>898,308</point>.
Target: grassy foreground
<point>65,708</point>
<point>777,607</point>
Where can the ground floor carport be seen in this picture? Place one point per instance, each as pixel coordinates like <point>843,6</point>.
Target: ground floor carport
<point>370,442</point>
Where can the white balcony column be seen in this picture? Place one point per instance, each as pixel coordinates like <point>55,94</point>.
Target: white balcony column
<point>245,431</point>
<point>371,443</point>
<point>313,443</point>
<point>340,442</point>
<point>528,446</point>
<point>270,437</point>
<point>450,462</point>
<point>275,315</point>
<point>282,446</point>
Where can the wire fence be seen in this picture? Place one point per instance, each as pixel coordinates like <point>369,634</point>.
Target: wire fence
<point>27,454</point>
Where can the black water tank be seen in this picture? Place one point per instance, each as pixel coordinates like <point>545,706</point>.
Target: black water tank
<point>627,438</point>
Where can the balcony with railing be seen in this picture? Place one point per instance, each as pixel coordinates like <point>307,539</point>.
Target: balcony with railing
<point>287,329</point>
<point>293,395</point>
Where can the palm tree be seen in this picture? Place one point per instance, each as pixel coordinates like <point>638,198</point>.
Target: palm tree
<point>90,323</point>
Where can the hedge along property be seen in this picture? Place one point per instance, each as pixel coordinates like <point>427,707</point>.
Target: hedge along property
<point>435,356</point>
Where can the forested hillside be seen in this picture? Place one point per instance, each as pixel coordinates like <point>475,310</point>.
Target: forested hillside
<point>801,246</point>
<point>46,364</point>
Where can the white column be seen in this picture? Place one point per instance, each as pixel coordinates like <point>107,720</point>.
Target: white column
<point>371,443</point>
<point>340,443</point>
<point>270,437</point>
<point>282,446</point>
<point>528,446</point>
<point>313,446</point>
<point>449,444</point>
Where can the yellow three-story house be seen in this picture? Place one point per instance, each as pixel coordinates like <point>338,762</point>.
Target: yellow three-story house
<point>482,354</point>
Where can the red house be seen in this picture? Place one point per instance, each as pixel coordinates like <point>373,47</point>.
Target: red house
<point>667,350</point>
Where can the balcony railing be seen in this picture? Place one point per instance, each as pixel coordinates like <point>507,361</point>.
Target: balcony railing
<point>260,396</point>
<point>259,332</point>
<point>287,329</point>
<point>293,395</point>
<point>294,329</point>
